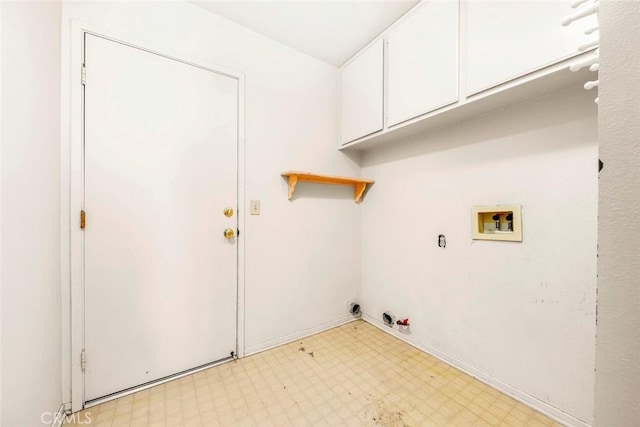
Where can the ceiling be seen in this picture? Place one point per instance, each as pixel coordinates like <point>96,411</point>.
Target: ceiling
<point>330,30</point>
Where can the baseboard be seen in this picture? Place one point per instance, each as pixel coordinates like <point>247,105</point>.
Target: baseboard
<point>527,399</point>
<point>267,345</point>
<point>58,417</point>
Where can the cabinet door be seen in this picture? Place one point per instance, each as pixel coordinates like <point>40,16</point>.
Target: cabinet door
<point>362,94</point>
<point>423,61</point>
<point>507,39</point>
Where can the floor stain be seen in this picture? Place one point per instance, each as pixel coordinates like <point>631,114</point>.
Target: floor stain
<point>384,413</point>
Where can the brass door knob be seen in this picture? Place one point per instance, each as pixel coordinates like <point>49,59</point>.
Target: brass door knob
<point>228,212</point>
<point>229,233</point>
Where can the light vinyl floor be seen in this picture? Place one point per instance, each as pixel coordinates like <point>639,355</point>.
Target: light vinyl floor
<point>352,375</point>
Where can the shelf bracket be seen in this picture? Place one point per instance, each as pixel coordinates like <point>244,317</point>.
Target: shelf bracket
<point>293,180</point>
<point>358,190</point>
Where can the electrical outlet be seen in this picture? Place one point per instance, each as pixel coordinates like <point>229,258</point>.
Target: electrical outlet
<point>255,207</point>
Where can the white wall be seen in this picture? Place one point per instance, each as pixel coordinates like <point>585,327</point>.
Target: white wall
<point>617,396</point>
<point>519,315</point>
<point>31,355</point>
<point>302,257</point>
<point>1,118</point>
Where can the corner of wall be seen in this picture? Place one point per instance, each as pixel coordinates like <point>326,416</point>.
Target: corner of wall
<point>617,400</point>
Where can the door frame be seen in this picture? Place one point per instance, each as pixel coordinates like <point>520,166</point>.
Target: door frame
<point>71,198</point>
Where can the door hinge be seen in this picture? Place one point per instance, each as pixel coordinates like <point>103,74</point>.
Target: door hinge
<point>83,360</point>
<point>83,220</point>
<point>83,75</point>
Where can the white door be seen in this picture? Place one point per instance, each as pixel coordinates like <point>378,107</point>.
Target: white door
<point>160,168</point>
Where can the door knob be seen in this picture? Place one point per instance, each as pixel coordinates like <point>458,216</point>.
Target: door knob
<point>229,233</point>
<point>228,212</point>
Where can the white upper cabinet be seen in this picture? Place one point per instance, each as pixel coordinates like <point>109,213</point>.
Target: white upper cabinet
<point>507,39</point>
<point>423,61</point>
<point>362,94</point>
<point>443,52</point>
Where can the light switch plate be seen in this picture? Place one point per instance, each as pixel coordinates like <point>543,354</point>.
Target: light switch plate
<point>254,207</point>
